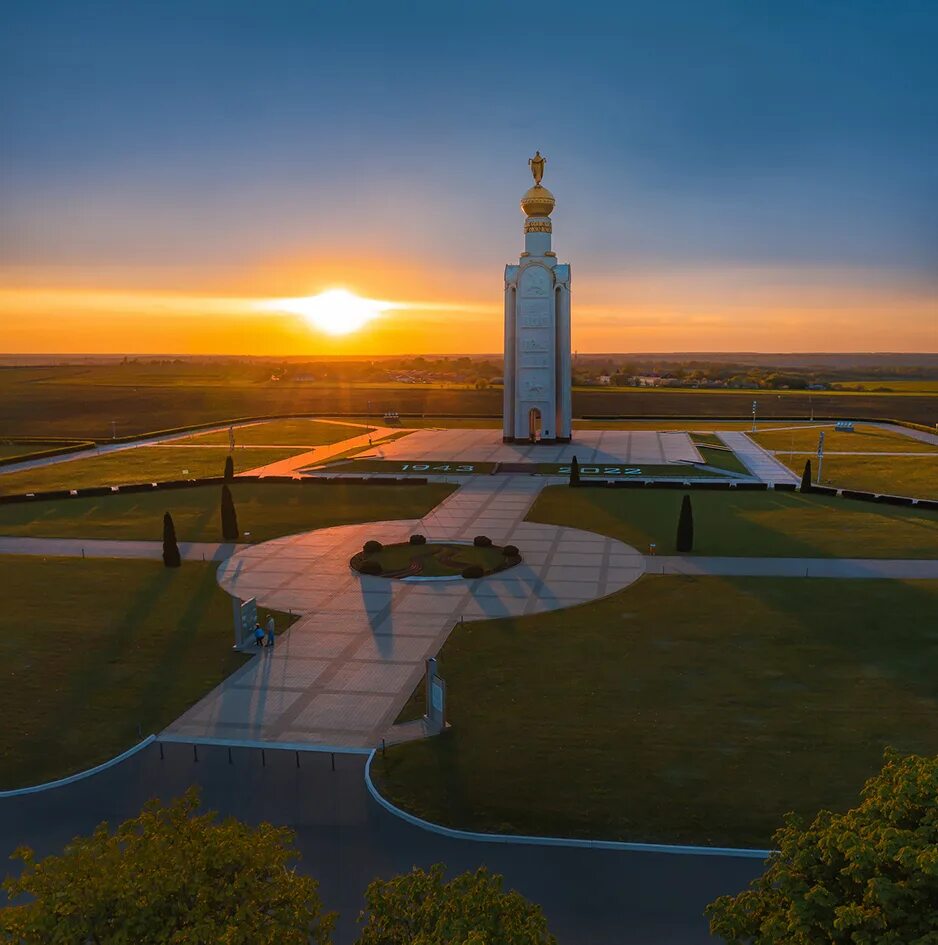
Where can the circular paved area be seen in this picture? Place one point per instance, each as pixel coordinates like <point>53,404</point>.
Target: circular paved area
<point>342,672</point>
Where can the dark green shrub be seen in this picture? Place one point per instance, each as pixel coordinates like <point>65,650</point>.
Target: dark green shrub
<point>229,467</point>
<point>372,547</point>
<point>574,472</point>
<point>229,517</point>
<point>806,477</point>
<point>171,557</point>
<point>685,526</point>
<point>370,567</point>
<point>418,539</point>
<point>482,541</point>
<point>473,571</point>
<point>511,551</point>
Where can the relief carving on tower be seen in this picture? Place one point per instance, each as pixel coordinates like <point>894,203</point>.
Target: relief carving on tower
<point>535,283</point>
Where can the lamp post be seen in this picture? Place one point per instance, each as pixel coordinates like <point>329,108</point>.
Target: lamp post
<point>820,455</point>
<point>753,416</point>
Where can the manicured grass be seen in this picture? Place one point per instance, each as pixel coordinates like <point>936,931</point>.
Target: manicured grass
<point>679,425</point>
<point>416,467</point>
<point>266,510</point>
<point>680,710</point>
<point>434,559</point>
<point>308,433</point>
<point>864,439</point>
<point>720,457</point>
<point>95,655</point>
<point>626,471</point>
<point>139,464</point>
<point>894,475</point>
<point>783,524</point>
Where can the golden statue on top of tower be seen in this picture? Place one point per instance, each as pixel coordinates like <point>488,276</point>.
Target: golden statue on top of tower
<point>537,167</point>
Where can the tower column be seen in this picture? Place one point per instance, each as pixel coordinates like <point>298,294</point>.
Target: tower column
<point>537,397</point>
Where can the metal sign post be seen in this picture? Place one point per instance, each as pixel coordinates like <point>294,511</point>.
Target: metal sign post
<point>436,696</point>
<point>245,618</point>
<point>753,416</point>
<point>820,456</point>
<point>231,439</point>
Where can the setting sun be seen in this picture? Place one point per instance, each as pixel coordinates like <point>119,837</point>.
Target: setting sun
<point>336,312</point>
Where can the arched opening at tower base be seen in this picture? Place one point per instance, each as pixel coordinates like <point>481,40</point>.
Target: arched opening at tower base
<point>534,424</point>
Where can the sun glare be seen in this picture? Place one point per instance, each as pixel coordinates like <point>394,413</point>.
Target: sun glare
<point>336,312</point>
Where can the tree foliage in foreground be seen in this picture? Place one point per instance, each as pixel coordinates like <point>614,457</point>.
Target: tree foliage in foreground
<point>169,875</point>
<point>420,908</point>
<point>865,877</point>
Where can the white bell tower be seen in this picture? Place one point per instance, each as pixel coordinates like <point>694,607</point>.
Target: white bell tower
<point>538,397</point>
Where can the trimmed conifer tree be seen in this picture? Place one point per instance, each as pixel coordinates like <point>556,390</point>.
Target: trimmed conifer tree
<point>574,472</point>
<point>806,477</point>
<point>229,517</point>
<point>685,526</point>
<point>171,556</point>
<point>229,468</point>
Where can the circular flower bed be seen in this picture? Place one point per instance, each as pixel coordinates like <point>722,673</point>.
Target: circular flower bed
<point>420,558</point>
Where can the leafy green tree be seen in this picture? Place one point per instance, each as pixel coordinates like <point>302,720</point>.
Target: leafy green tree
<point>865,877</point>
<point>229,517</point>
<point>169,875</point>
<point>574,472</point>
<point>420,908</point>
<point>685,526</point>
<point>806,477</point>
<point>229,468</point>
<point>171,556</point>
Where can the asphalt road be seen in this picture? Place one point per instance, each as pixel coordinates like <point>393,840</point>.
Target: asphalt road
<point>590,897</point>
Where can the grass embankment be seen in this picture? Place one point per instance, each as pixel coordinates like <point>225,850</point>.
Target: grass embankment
<point>266,510</point>
<point>137,464</point>
<point>864,439</point>
<point>96,654</point>
<point>308,433</point>
<point>680,710</point>
<point>760,524</point>
<point>915,476</point>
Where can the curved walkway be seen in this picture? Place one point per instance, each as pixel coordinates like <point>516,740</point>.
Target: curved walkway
<point>590,897</point>
<point>340,675</point>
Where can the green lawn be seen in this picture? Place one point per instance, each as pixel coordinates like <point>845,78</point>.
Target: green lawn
<point>416,467</point>
<point>96,654</point>
<point>266,510</point>
<point>864,439</point>
<point>679,710</point>
<point>300,432</point>
<point>784,524</point>
<point>720,456</point>
<point>139,464</point>
<point>896,475</point>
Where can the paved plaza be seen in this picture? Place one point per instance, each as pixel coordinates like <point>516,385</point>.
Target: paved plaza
<point>342,673</point>
<point>591,447</point>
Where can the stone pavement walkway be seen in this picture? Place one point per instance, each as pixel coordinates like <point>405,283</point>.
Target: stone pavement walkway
<point>341,674</point>
<point>760,462</point>
<point>894,568</point>
<point>319,454</point>
<point>114,548</point>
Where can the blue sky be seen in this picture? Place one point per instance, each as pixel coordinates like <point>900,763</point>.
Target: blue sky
<point>191,146</point>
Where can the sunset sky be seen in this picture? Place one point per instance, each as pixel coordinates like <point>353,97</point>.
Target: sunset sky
<point>729,175</point>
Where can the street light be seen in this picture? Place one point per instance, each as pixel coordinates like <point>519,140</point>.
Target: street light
<point>753,416</point>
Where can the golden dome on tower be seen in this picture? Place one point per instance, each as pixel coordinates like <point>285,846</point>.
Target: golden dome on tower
<point>537,202</point>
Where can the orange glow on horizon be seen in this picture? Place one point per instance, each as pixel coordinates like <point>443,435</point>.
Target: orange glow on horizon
<point>381,312</point>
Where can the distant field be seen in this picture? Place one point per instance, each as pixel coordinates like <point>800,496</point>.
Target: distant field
<point>912,387</point>
<point>283,433</point>
<point>864,439</point>
<point>783,524</point>
<point>82,402</point>
<point>138,464</point>
<point>266,510</point>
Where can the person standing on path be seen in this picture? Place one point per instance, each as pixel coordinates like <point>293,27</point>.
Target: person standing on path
<point>270,630</point>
